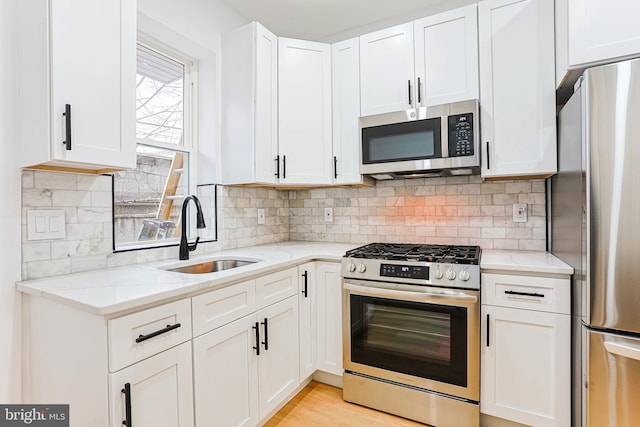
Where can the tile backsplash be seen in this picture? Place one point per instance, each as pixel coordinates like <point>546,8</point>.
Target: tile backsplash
<point>453,210</point>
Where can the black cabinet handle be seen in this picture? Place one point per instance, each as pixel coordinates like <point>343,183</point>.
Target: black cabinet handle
<point>488,164</point>
<point>306,276</point>
<point>156,333</point>
<point>419,91</point>
<point>335,167</point>
<point>127,405</point>
<point>409,86</point>
<point>67,125</point>
<point>266,334</point>
<point>487,330</point>
<point>277,174</point>
<point>526,294</point>
<point>257,347</point>
<point>284,167</point>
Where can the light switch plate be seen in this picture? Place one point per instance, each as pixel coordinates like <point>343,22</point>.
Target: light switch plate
<point>519,212</point>
<point>45,224</point>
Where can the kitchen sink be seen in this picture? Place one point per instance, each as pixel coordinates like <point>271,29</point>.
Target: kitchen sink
<point>211,266</point>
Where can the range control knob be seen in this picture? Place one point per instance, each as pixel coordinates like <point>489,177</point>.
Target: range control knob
<point>464,275</point>
<point>450,274</point>
<point>352,267</point>
<point>362,268</point>
<point>437,274</point>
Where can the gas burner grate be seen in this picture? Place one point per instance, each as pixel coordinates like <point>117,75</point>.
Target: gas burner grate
<point>426,253</point>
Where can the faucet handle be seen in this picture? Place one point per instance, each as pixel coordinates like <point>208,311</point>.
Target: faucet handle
<point>192,246</point>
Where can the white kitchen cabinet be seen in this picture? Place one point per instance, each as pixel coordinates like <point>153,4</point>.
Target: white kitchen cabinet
<point>307,301</point>
<point>226,375</point>
<point>155,392</point>
<point>304,112</point>
<point>329,309</point>
<point>387,70</point>
<point>345,66</point>
<point>525,356</point>
<point>446,56</point>
<point>275,287</point>
<point>279,363</point>
<point>77,84</point>
<point>594,32</point>
<point>517,90</point>
<point>250,106</point>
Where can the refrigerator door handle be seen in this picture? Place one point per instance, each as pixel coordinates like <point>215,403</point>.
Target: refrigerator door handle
<point>622,350</point>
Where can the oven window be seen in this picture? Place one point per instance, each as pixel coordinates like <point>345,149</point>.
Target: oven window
<point>402,141</point>
<point>424,340</point>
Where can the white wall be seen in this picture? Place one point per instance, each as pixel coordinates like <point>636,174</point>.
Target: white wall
<point>10,330</point>
<point>195,27</point>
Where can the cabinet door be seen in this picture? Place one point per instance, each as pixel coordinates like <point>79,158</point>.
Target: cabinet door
<point>329,292</point>
<point>446,55</point>
<point>92,49</point>
<point>345,64</point>
<point>307,300</point>
<point>161,392</point>
<point>526,366</point>
<point>226,375</point>
<point>278,363</point>
<point>602,30</point>
<point>304,88</point>
<point>387,70</point>
<point>517,88</point>
<point>276,287</point>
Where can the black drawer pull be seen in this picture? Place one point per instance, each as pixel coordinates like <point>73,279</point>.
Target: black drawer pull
<point>306,277</point>
<point>257,347</point>
<point>156,333</point>
<point>525,294</point>
<point>488,330</point>
<point>277,174</point>
<point>127,405</point>
<point>67,126</point>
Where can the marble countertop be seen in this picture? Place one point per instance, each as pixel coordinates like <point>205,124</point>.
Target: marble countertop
<point>114,291</point>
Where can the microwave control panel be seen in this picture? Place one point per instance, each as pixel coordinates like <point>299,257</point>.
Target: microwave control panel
<point>461,135</point>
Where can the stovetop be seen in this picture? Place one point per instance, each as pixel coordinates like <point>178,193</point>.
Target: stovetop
<point>418,252</point>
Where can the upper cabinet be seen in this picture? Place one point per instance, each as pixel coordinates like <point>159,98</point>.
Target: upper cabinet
<point>250,106</point>
<point>446,56</point>
<point>594,32</point>
<point>517,90</point>
<point>77,63</point>
<point>304,112</point>
<point>387,70</point>
<point>345,64</point>
<point>431,61</point>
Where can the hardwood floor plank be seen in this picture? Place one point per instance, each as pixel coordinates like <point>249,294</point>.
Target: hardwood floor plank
<point>321,405</point>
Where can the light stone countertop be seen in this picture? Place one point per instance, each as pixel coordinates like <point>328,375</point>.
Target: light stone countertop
<point>115,291</point>
<point>534,262</point>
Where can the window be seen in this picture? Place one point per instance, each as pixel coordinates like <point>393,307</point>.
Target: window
<point>148,200</point>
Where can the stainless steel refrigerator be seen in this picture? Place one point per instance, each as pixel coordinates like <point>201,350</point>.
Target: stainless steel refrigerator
<point>594,203</point>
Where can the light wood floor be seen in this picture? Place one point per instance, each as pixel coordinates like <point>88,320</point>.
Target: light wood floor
<point>321,405</point>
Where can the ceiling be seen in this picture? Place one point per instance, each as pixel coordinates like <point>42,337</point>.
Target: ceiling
<point>333,20</point>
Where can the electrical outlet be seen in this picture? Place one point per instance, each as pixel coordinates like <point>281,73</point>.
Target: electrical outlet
<point>519,212</point>
<point>260,216</point>
<point>328,214</point>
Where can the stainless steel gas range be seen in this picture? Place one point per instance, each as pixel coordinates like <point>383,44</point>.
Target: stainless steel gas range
<point>411,327</point>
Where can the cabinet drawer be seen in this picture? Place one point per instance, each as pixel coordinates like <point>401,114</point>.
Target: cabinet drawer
<point>276,287</point>
<point>222,306</point>
<point>139,335</point>
<point>527,292</point>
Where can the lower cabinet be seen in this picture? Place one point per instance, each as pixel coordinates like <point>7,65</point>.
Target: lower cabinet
<point>525,355</point>
<point>163,381</point>
<point>245,369</point>
<point>329,317</point>
<point>307,304</point>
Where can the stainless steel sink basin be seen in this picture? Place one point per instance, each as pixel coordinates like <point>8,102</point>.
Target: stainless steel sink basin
<point>211,266</point>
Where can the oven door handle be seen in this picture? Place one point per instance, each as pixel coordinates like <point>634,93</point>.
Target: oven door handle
<point>438,297</point>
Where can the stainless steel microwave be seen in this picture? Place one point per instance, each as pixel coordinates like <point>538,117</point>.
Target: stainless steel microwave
<point>438,140</point>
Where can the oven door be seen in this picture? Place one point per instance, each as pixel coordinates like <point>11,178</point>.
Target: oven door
<point>424,337</point>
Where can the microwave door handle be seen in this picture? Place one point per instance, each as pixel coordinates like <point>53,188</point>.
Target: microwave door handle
<point>444,136</point>
<point>437,297</point>
<point>618,349</point>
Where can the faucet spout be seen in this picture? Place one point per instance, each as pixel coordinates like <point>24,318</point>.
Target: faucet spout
<point>185,246</point>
